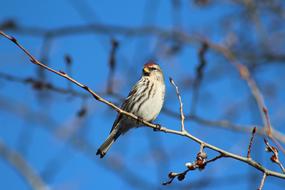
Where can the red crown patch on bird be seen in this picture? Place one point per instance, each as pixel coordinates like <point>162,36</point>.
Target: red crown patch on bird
<point>150,64</point>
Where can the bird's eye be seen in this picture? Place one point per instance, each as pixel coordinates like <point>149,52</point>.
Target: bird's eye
<point>153,68</point>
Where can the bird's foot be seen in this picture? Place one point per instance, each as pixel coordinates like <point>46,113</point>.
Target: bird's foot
<point>140,120</point>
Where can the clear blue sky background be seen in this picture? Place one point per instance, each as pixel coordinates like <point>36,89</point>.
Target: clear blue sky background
<point>90,54</point>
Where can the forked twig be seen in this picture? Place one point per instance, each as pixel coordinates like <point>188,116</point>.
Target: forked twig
<point>151,125</point>
<point>182,117</point>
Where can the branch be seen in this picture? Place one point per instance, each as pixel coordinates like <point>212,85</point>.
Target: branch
<point>275,157</point>
<point>225,124</point>
<point>112,66</point>
<point>199,75</point>
<point>250,142</point>
<point>200,163</point>
<point>148,31</point>
<point>222,124</point>
<point>256,93</point>
<point>22,167</point>
<point>182,117</point>
<point>151,125</point>
<point>42,85</point>
<point>79,144</point>
<point>262,181</point>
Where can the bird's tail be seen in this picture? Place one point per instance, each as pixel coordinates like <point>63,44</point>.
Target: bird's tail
<point>108,143</point>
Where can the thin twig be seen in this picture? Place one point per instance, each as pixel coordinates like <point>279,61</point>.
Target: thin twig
<point>80,144</point>
<point>262,181</point>
<point>256,93</point>
<point>250,142</point>
<point>42,85</point>
<point>112,66</point>
<point>146,123</point>
<point>16,160</point>
<point>222,124</point>
<point>268,129</point>
<point>182,117</point>
<point>143,31</point>
<point>201,147</point>
<point>199,76</point>
<point>275,157</point>
<point>268,123</point>
<point>225,124</point>
<point>199,163</point>
<point>214,159</point>
<point>68,64</point>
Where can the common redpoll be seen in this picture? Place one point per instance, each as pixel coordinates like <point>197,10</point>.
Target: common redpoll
<point>145,101</point>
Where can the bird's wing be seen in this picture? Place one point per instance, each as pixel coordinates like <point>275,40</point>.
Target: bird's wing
<point>119,116</point>
<point>116,123</point>
<point>124,105</point>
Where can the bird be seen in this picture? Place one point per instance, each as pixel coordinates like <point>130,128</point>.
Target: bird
<point>145,100</point>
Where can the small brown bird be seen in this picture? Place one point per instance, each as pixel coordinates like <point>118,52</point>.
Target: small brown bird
<point>145,101</point>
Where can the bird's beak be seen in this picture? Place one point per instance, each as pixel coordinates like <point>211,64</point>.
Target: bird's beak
<point>146,70</point>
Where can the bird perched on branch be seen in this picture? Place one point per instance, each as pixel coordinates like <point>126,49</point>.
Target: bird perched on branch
<point>145,101</point>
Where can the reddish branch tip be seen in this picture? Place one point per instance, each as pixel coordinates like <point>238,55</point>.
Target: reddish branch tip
<point>61,72</point>
<point>13,39</point>
<point>172,175</point>
<point>150,64</point>
<point>253,130</point>
<point>251,142</point>
<point>9,37</point>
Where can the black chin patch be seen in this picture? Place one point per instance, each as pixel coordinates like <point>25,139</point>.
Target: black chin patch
<point>146,73</point>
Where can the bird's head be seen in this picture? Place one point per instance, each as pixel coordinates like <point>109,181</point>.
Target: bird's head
<point>152,69</point>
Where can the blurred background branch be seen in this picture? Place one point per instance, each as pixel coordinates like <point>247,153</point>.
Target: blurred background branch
<point>22,167</point>
<point>207,46</point>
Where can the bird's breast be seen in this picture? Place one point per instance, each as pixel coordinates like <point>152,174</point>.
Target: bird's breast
<point>150,107</point>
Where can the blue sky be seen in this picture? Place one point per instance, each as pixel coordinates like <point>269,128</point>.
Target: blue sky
<point>29,124</point>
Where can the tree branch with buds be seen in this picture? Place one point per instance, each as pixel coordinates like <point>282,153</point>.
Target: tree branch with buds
<point>201,159</point>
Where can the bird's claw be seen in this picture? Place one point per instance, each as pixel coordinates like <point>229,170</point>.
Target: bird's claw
<point>140,120</point>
